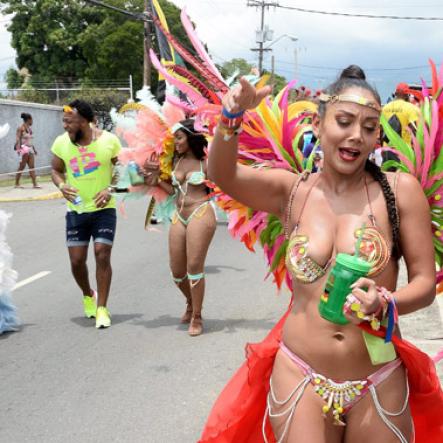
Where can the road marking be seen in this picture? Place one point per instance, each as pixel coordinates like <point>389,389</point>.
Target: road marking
<point>35,277</point>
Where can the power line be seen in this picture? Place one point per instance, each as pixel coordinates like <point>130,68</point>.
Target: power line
<point>344,14</point>
<point>406,68</point>
<point>262,34</point>
<point>133,15</point>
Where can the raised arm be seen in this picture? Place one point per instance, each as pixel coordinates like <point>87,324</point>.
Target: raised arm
<point>266,190</point>
<point>417,246</point>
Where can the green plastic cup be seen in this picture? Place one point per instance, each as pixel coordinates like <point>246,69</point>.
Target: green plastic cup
<point>347,270</point>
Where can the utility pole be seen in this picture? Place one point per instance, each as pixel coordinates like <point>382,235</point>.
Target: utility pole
<point>264,34</point>
<point>147,46</point>
<point>272,69</point>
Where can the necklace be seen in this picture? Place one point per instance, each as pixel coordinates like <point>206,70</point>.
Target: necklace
<point>83,148</point>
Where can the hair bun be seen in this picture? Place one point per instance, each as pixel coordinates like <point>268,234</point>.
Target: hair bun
<point>353,71</point>
<point>25,116</point>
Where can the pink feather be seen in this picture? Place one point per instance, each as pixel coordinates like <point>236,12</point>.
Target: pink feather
<point>429,143</point>
<point>172,114</point>
<point>175,101</point>
<point>438,357</point>
<point>197,99</point>
<point>403,159</point>
<point>190,31</point>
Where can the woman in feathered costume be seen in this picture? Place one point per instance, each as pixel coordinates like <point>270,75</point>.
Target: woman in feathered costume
<point>8,277</point>
<point>350,205</point>
<point>171,155</point>
<point>193,222</point>
<point>310,375</point>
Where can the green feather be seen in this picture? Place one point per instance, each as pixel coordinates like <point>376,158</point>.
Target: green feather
<point>394,164</point>
<point>396,141</point>
<point>279,254</point>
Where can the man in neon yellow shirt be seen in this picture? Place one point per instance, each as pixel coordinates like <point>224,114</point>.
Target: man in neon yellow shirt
<point>82,168</point>
<point>407,113</point>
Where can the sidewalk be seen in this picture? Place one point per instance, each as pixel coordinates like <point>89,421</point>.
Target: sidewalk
<point>47,192</point>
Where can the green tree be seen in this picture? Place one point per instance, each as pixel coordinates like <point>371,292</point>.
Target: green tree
<point>67,41</point>
<point>277,81</point>
<point>29,94</point>
<point>239,65</point>
<point>46,33</point>
<point>102,102</point>
<point>13,78</point>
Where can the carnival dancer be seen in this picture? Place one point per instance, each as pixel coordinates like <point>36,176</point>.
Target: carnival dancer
<point>25,148</point>
<point>193,222</point>
<point>83,170</point>
<point>310,375</point>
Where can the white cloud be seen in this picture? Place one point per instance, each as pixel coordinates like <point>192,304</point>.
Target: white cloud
<point>228,28</point>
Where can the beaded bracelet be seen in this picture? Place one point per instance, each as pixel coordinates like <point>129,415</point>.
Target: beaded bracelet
<point>386,310</point>
<point>228,133</point>
<point>232,115</point>
<point>390,312</point>
<point>231,120</point>
<point>373,319</point>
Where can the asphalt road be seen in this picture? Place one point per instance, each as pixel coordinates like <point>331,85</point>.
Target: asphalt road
<point>144,379</point>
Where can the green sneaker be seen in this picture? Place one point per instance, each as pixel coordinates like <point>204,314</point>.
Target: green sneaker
<point>103,319</point>
<point>89,306</point>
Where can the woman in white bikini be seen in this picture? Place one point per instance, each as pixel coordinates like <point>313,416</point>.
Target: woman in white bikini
<point>193,224</point>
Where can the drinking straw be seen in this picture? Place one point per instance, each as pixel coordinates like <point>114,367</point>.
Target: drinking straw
<point>359,239</point>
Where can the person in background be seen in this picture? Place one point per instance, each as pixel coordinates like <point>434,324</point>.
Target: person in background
<point>193,224</point>
<point>401,114</point>
<point>83,170</point>
<point>25,149</point>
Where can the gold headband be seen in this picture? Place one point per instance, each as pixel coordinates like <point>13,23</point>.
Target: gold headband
<point>325,98</point>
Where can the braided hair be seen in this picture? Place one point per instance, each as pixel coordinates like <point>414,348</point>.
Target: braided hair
<point>352,76</point>
<point>389,196</point>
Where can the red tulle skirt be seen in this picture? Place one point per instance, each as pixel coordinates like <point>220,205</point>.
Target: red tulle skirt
<point>237,415</point>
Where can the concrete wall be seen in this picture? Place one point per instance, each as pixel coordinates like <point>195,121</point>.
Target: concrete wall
<point>47,125</point>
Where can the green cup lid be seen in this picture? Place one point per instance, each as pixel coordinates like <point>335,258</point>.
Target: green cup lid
<point>353,262</point>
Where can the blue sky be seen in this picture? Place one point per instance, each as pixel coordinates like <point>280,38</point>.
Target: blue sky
<point>325,43</point>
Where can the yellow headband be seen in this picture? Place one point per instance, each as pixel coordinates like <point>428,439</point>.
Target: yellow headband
<point>69,110</point>
<point>325,98</point>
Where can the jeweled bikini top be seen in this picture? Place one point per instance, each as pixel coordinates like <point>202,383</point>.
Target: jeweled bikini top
<point>373,246</point>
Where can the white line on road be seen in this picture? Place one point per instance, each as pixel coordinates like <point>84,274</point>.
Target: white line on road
<point>35,277</point>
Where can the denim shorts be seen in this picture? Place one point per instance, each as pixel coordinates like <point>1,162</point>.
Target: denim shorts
<point>100,225</point>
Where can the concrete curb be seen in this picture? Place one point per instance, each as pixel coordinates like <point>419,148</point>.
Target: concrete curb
<point>51,196</point>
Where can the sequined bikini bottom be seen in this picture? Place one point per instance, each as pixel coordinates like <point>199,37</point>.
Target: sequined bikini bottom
<point>339,396</point>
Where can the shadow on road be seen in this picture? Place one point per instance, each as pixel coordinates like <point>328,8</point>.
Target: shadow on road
<point>116,319</point>
<point>228,326</point>
<point>20,328</point>
<point>216,269</point>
